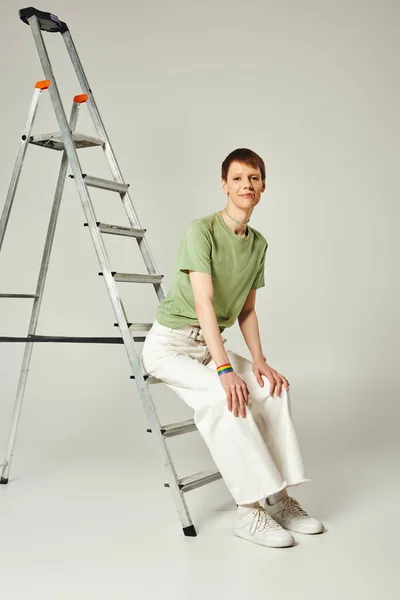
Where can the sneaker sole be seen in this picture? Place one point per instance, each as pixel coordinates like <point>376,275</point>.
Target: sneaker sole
<point>297,529</point>
<point>283,543</point>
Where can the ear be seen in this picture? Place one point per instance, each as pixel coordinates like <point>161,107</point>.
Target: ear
<point>224,186</point>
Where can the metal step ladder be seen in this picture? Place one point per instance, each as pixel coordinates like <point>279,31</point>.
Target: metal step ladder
<point>68,141</point>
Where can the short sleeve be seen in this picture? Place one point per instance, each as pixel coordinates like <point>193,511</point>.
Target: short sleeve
<point>195,250</point>
<point>259,278</point>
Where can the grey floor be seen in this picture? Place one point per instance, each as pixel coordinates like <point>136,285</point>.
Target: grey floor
<point>85,516</point>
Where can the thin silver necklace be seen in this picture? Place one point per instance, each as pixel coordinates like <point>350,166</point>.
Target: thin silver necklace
<point>238,222</point>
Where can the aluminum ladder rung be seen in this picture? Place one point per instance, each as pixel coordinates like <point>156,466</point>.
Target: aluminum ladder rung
<point>135,277</point>
<point>19,296</point>
<point>153,380</point>
<point>119,230</point>
<point>149,379</point>
<point>197,480</point>
<point>139,327</point>
<point>138,330</point>
<point>174,429</point>
<point>105,184</point>
<point>55,141</point>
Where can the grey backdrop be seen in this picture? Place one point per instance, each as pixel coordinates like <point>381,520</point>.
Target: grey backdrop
<point>313,87</point>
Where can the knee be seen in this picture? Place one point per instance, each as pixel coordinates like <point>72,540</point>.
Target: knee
<point>259,395</point>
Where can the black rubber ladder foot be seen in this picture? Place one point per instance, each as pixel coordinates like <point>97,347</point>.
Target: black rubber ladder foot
<point>4,480</point>
<point>190,531</point>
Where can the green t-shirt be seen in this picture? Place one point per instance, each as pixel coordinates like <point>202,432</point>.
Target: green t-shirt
<point>236,265</point>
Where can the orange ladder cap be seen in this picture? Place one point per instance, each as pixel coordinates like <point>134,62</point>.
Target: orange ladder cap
<point>43,85</point>
<point>81,98</point>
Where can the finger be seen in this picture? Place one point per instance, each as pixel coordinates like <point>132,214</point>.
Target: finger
<point>285,382</point>
<point>259,378</point>
<point>235,403</point>
<point>245,392</point>
<point>242,403</point>
<point>229,400</point>
<point>278,385</point>
<point>272,385</point>
<point>283,379</point>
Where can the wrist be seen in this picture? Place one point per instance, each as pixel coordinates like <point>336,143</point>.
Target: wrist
<point>225,368</point>
<point>258,357</point>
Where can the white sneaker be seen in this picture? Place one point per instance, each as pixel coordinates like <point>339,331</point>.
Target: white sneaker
<point>256,525</point>
<point>291,515</point>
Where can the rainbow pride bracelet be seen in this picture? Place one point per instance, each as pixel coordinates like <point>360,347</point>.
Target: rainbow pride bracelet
<point>227,368</point>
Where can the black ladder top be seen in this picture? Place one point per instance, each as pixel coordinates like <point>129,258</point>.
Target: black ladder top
<point>47,21</point>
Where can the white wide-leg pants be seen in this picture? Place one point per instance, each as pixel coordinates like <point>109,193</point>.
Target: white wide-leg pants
<point>257,455</point>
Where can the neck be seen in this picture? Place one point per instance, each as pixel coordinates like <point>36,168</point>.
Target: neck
<point>239,215</point>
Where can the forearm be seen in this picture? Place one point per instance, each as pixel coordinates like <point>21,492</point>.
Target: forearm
<point>248,324</point>
<point>212,335</point>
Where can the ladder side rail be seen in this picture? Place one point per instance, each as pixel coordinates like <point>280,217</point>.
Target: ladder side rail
<point>18,164</point>
<point>149,261</point>
<point>85,198</point>
<point>37,303</point>
<point>94,111</point>
<point>77,175</point>
<point>101,252</point>
<point>112,160</point>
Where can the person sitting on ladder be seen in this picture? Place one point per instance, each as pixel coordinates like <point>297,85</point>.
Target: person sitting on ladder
<point>246,425</point>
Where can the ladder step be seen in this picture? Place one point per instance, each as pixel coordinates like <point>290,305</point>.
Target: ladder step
<point>198,479</point>
<point>54,141</point>
<point>153,380</point>
<point>138,327</point>
<point>177,428</point>
<point>136,277</point>
<point>138,331</point>
<point>150,380</point>
<point>105,184</point>
<point>118,230</point>
<point>19,296</point>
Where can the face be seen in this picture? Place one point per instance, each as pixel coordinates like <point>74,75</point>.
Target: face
<point>243,180</point>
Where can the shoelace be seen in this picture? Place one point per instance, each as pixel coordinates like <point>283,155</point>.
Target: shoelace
<point>262,520</point>
<point>292,505</point>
